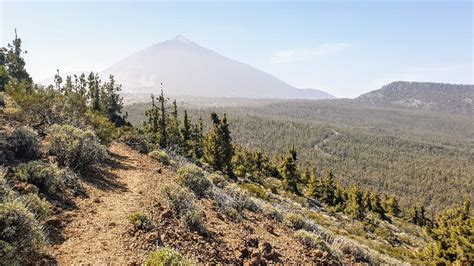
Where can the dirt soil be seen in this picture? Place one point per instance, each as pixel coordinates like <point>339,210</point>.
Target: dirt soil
<point>98,231</point>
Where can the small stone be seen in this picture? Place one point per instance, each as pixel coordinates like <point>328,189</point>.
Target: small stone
<point>158,170</point>
<point>166,214</point>
<point>97,200</point>
<point>318,254</point>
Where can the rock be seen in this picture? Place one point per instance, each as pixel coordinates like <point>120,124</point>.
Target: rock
<point>255,259</point>
<point>325,254</point>
<point>265,247</point>
<point>252,240</point>
<point>318,253</point>
<point>29,188</point>
<point>167,214</point>
<point>97,200</point>
<point>53,222</point>
<point>158,170</point>
<point>220,217</point>
<point>270,228</point>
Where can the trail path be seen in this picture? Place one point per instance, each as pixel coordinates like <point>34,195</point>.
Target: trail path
<point>99,229</point>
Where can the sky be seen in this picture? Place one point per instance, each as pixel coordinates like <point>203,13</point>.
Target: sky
<point>345,48</point>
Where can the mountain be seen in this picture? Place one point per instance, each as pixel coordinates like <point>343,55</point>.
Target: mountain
<point>186,68</point>
<point>425,95</point>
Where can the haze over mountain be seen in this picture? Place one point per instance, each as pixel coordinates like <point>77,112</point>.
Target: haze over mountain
<point>186,68</point>
<point>425,95</point>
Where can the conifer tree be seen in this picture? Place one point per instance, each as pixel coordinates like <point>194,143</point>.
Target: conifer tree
<point>392,206</point>
<point>151,126</point>
<point>376,205</point>
<point>14,63</point>
<point>312,186</point>
<point>112,102</point>
<point>327,194</point>
<point>218,149</point>
<point>355,205</point>
<point>173,127</point>
<point>186,135</point>
<point>289,172</point>
<point>163,141</point>
<point>93,83</point>
<point>3,69</point>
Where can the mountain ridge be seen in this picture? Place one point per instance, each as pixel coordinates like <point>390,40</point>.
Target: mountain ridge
<point>456,98</point>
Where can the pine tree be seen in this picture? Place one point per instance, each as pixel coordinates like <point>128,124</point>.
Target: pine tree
<point>376,205</point>
<point>186,135</point>
<point>392,206</point>
<point>3,69</point>
<point>218,149</point>
<point>112,102</point>
<point>163,141</point>
<point>312,191</point>
<point>14,63</point>
<point>173,127</point>
<point>289,172</point>
<point>327,194</point>
<point>355,206</point>
<point>151,126</point>
<point>93,83</point>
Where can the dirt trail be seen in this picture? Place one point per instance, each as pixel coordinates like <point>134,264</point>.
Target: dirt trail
<point>99,229</point>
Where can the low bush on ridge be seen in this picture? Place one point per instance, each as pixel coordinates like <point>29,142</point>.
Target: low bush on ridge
<point>24,143</point>
<point>160,156</point>
<point>78,149</point>
<point>194,178</point>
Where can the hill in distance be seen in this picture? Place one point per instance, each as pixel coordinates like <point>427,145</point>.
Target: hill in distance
<point>424,95</point>
<point>186,68</point>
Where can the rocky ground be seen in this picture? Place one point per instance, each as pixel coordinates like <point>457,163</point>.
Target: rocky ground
<point>98,231</point>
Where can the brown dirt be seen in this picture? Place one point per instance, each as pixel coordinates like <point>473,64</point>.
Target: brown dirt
<point>98,232</point>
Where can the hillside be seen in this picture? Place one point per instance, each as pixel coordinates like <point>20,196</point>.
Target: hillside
<point>423,95</point>
<point>179,65</point>
<point>419,146</point>
<point>79,184</point>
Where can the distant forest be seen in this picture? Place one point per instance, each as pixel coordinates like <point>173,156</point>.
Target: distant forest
<point>423,157</point>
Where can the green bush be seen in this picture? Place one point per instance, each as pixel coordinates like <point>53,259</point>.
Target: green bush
<point>179,200</point>
<point>39,207</point>
<point>135,140</point>
<point>105,130</point>
<point>272,213</point>
<point>160,156</point>
<point>310,240</point>
<point>256,191</point>
<point>194,178</point>
<point>24,143</point>
<point>2,98</point>
<point>165,257</point>
<point>76,148</point>
<point>294,221</point>
<point>21,237</point>
<point>194,220</point>
<point>218,180</point>
<point>140,221</point>
<point>48,178</point>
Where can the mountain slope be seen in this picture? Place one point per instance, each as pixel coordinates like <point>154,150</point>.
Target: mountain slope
<point>186,68</point>
<point>425,95</point>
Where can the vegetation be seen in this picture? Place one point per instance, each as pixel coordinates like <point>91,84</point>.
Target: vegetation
<point>160,156</point>
<point>165,257</point>
<point>340,174</point>
<point>75,148</point>
<point>140,221</point>
<point>194,179</point>
<point>25,143</point>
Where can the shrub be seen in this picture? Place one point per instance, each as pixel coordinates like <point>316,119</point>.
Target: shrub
<point>178,198</point>
<point>21,237</point>
<point>160,156</point>
<point>25,143</point>
<point>140,221</point>
<point>49,179</point>
<point>2,98</point>
<point>194,220</point>
<point>272,213</point>
<point>194,178</point>
<point>294,221</point>
<point>73,147</point>
<point>165,257</point>
<point>39,207</point>
<point>256,190</point>
<point>218,180</point>
<point>225,205</point>
<point>310,240</point>
<point>135,140</point>
<point>242,200</point>
<point>105,130</point>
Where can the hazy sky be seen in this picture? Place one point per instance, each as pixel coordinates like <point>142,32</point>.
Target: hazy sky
<point>344,48</point>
